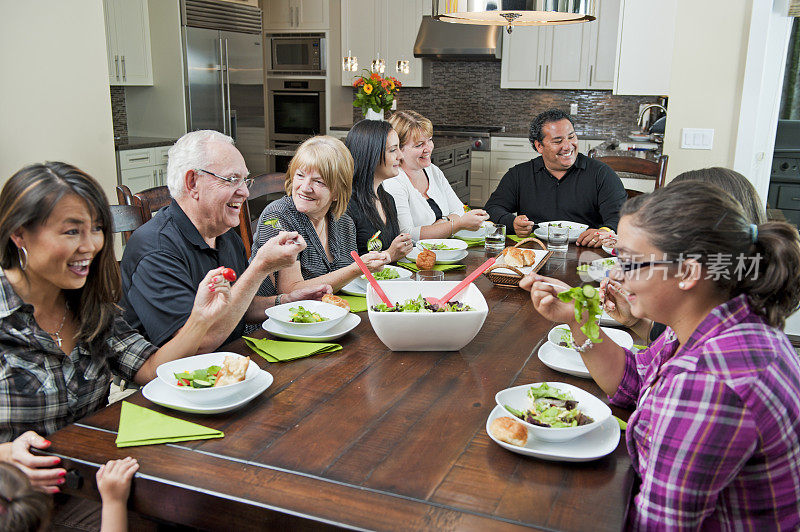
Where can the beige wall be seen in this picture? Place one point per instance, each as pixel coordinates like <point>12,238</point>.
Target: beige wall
<point>54,97</point>
<point>707,75</point>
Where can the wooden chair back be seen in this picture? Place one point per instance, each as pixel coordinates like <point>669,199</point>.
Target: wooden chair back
<point>125,219</point>
<point>636,168</point>
<point>263,185</point>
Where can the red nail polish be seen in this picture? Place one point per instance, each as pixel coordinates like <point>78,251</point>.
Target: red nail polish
<point>46,442</point>
<point>56,460</point>
<point>62,474</point>
<point>211,289</point>
<point>61,480</point>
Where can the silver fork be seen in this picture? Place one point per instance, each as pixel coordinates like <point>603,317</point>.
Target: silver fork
<point>374,243</point>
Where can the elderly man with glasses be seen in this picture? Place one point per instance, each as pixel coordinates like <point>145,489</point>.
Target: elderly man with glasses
<point>167,257</point>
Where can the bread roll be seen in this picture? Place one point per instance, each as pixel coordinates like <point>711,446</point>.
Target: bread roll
<point>234,370</point>
<point>514,257</point>
<point>507,430</point>
<point>528,257</point>
<point>426,260</point>
<point>336,300</point>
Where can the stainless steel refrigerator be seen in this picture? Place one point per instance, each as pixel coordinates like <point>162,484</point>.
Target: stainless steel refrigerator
<point>223,55</point>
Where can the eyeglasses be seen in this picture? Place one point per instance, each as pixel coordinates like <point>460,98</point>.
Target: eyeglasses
<point>629,265</point>
<point>232,181</point>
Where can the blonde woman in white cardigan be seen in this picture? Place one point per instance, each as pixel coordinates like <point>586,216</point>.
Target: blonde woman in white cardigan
<point>427,206</point>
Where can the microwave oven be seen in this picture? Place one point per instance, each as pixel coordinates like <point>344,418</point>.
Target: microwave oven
<point>297,53</point>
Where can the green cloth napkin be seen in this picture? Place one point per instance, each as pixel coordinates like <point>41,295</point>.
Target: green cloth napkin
<point>440,267</point>
<point>516,238</point>
<point>280,351</point>
<point>472,242</point>
<point>142,426</point>
<point>622,424</point>
<point>357,303</point>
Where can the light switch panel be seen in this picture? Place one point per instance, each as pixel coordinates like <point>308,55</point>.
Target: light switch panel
<point>697,139</point>
<point>573,109</point>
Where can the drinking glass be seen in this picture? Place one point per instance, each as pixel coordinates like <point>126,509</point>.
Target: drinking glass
<point>495,238</point>
<point>430,275</point>
<point>557,238</point>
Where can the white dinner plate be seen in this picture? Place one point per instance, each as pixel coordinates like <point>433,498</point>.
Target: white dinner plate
<point>412,256</point>
<point>608,321</point>
<point>478,233</point>
<point>555,359</point>
<point>541,234</point>
<point>593,445</point>
<point>354,288</point>
<point>404,274</point>
<point>340,329</point>
<point>161,394</point>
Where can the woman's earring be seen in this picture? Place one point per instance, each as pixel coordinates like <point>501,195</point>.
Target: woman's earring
<point>681,285</point>
<point>22,254</point>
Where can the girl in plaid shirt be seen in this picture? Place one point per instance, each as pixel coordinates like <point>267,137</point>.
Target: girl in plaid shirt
<point>715,437</point>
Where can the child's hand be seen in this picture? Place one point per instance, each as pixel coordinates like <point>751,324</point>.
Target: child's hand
<point>114,479</point>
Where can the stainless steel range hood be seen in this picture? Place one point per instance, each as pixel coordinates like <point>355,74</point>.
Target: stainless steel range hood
<point>443,40</point>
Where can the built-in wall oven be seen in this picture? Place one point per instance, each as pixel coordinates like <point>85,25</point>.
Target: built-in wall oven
<point>296,112</point>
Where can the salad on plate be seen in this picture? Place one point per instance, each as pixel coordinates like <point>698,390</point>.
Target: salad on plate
<point>551,408</point>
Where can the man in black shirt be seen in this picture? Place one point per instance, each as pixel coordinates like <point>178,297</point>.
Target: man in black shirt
<point>562,184</point>
<point>166,258</point>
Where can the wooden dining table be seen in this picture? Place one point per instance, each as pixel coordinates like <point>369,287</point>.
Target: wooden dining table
<point>368,438</point>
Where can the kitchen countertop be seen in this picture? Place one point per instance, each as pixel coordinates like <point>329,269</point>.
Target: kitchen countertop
<point>509,133</point>
<point>439,143</point>
<point>135,143</point>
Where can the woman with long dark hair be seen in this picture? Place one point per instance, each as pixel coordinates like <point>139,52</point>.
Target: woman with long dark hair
<point>61,331</point>
<point>715,437</point>
<point>376,153</point>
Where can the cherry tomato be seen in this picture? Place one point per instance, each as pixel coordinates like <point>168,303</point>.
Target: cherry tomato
<point>229,275</point>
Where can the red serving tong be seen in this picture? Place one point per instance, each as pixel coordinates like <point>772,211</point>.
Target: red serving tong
<point>370,278</point>
<point>460,286</point>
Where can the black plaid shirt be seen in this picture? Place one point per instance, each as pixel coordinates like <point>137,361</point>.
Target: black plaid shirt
<point>313,260</point>
<point>41,388</point>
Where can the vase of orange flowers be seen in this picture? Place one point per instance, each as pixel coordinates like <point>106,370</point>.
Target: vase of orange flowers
<point>375,94</point>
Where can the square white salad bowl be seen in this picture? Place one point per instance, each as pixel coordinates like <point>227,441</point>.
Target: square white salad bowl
<point>426,331</point>
<point>283,315</point>
<point>454,253</point>
<point>166,373</point>
<point>517,398</point>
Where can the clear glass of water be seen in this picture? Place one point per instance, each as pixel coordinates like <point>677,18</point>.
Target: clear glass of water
<point>430,275</point>
<point>495,237</point>
<point>557,238</point>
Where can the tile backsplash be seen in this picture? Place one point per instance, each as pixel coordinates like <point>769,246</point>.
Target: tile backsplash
<point>119,113</point>
<point>468,92</point>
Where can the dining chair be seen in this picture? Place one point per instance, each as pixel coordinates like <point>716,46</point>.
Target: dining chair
<point>636,168</point>
<point>263,186</point>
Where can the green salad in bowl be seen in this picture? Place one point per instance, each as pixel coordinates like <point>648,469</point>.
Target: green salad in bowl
<point>419,304</point>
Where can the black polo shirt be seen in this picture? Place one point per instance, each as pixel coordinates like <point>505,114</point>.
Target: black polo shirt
<point>590,193</point>
<point>162,266</point>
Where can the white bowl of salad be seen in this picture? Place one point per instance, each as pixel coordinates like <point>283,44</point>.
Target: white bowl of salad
<point>196,376</point>
<point>412,326</point>
<point>388,273</point>
<point>560,337</point>
<point>575,228</point>
<point>445,248</point>
<point>307,317</point>
<point>554,411</point>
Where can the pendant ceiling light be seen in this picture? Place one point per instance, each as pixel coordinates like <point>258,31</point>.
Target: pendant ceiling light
<point>512,13</point>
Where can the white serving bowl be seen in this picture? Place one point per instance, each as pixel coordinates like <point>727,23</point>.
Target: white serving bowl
<point>575,228</point>
<point>517,398</point>
<point>439,331</point>
<point>619,337</point>
<point>283,315</point>
<point>166,373</point>
<point>478,233</point>
<point>458,246</point>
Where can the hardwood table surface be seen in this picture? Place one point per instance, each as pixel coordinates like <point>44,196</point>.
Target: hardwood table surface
<point>367,438</point>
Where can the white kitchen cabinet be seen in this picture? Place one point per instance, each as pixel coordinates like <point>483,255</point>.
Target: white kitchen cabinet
<point>585,145</point>
<point>385,29</point>
<point>644,48</point>
<point>128,42</point>
<point>603,35</point>
<point>303,15</point>
<point>571,56</point>
<point>479,178</point>
<point>143,168</point>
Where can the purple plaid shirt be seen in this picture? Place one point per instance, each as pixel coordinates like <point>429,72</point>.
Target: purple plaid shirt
<point>716,432</point>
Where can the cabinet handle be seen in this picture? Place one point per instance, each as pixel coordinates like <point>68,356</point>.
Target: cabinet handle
<point>123,69</point>
<point>591,69</point>
<point>116,65</point>
<point>546,73</point>
<point>795,199</point>
<point>515,145</point>
<point>142,158</point>
<point>463,156</point>
<point>539,76</point>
